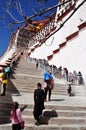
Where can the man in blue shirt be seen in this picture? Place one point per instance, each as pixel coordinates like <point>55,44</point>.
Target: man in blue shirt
<point>47,76</point>
<point>47,79</point>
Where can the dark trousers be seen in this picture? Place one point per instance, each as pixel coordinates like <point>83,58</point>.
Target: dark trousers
<point>4,88</point>
<point>16,127</point>
<point>48,92</point>
<point>37,114</point>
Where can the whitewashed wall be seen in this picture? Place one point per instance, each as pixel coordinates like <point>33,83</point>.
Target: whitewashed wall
<point>73,54</point>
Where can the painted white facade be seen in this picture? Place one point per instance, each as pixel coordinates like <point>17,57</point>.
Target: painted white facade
<point>8,54</point>
<point>73,54</point>
<point>10,51</point>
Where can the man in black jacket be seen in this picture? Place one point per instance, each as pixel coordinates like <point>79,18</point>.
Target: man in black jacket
<point>39,96</point>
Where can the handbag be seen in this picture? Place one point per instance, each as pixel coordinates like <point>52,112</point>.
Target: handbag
<point>22,124</point>
<point>52,84</point>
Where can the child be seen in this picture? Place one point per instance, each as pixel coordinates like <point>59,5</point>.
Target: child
<point>16,116</point>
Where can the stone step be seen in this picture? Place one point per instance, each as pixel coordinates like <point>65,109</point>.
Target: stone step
<point>47,106</point>
<point>24,87</point>
<point>56,127</point>
<point>58,89</point>
<point>32,88</point>
<point>63,107</point>
<point>30,85</point>
<point>4,111</point>
<point>76,90</point>
<point>67,120</point>
<point>4,119</point>
<point>58,107</point>
<point>48,112</point>
<point>28,68</point>
<point>53,92</point>
<point>5,105</point>
<point>57,120</point>
<point>31,126</point>
<point>30,82</point>
<point>59,113</point>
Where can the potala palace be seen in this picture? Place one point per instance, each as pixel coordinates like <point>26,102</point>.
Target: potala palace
<point>59,39</point>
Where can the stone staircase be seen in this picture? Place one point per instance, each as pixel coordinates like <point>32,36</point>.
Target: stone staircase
<point>61,113</point>
<point>28,76</point>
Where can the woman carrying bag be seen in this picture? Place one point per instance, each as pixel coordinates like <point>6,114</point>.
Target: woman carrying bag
<point>16,116</point>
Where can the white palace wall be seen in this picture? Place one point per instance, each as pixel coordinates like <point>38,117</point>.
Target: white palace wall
<point>73,54</point>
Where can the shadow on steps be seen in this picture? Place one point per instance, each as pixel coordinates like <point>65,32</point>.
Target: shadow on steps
<point>47,115</point>
<point>6,103</point>
<point>12,89</point>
